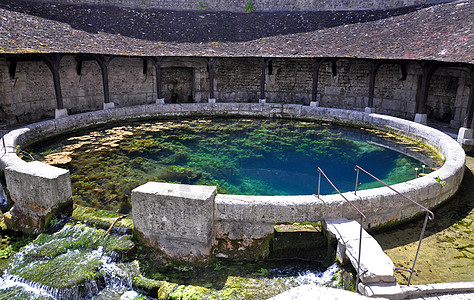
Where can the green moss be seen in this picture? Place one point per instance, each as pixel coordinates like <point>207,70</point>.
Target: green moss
<point>150,286</point>
<point>166,289</point>
<point>101,218</point>
<point>189,292</point>
<point>63,271</point>
<point>18,293</point>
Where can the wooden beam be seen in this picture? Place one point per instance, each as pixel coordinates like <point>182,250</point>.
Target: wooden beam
<point>373,68</point>
<point>211,63</point>
<point>428,69</point>
<point>53,61</point>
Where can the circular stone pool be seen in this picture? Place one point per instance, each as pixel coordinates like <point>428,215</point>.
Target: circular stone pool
<point>33,183</point>
<point>238,155</point>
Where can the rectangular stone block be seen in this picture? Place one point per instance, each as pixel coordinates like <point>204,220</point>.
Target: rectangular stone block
<point>38,188</point>
<point>175,218</point>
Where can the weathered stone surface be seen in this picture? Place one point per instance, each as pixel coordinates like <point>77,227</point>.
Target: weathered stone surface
<point>39,191</point>
<point>177,219</point>
<point>375,265</point>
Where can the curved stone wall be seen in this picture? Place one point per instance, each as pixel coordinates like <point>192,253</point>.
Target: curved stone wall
<point>239,217</point>
<point>255,5</point>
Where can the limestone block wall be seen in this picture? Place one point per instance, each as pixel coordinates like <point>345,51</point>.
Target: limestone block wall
<point>29,96</point>
<point>259,5</point>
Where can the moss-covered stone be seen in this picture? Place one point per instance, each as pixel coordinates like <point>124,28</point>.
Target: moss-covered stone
<point>189,292</point>
<point>63,271</point>
<point>147,285</point>
<point>73,237</point>
<point>166,289</point>
<point>19,293</point>
<point>102,218</point>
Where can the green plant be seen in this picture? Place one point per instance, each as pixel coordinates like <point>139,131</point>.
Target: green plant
<point>53,221</point>
<point>203,5</point>
<point>441,182</point>
<point>261,272</point>
<point>249,7</point>
<point>15,246</point>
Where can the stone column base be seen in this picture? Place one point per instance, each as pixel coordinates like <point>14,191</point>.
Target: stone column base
<point>421,118</point>
<point>60,113</point>
<point>160,101</point>
<point>466,138</point>
<point>262,101</point>
<point>314,103</point>
<point>109,105</point>
<point>369,110</point>
<point>212,100</point>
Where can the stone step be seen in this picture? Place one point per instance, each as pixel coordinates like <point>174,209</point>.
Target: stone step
<point>375,265</point>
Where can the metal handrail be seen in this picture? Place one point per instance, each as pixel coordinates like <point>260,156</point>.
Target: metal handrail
<point>357,168</point>
<point>429,215</point>
<point>362,218</point>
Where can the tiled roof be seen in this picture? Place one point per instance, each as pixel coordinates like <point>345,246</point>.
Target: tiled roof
<point>443,32</point>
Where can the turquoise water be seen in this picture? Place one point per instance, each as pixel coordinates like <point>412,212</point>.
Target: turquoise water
<point>239,156</point>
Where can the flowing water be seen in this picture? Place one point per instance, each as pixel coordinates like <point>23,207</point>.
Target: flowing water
<point>80,262</point>
<point>239,156</point>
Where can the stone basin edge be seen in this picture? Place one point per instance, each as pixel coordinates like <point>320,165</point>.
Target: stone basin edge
<point>260,213</point>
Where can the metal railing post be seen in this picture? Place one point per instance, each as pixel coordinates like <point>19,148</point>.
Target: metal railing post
<point>357,180</point>
<point>418,249</point>
<point>360,251</point>
<point>429,216</point>
<point>319,181</point>
<point>362,219</point>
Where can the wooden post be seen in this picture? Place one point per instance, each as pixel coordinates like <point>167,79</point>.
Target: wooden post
<point>263,65</point>
<point>316,66</point>
<point>211,62</point>
<point>470,103</point>
<point>428,69</point>
<point>53,62</point>
<point>157,63</point>
<point>103,61</point>
<point>373,68</point>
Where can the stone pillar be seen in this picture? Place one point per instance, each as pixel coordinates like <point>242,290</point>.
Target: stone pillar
<point>39,192</point>
<point>60,113</point>
<point>176,220</point>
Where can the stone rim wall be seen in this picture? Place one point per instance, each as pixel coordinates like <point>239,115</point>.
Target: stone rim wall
<point>252,217</point>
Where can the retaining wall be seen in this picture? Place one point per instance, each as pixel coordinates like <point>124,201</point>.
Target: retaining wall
<point>257,5</point>
<point>246,222</point>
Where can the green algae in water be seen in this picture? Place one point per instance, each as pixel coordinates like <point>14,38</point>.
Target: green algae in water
<point>239,156</point>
